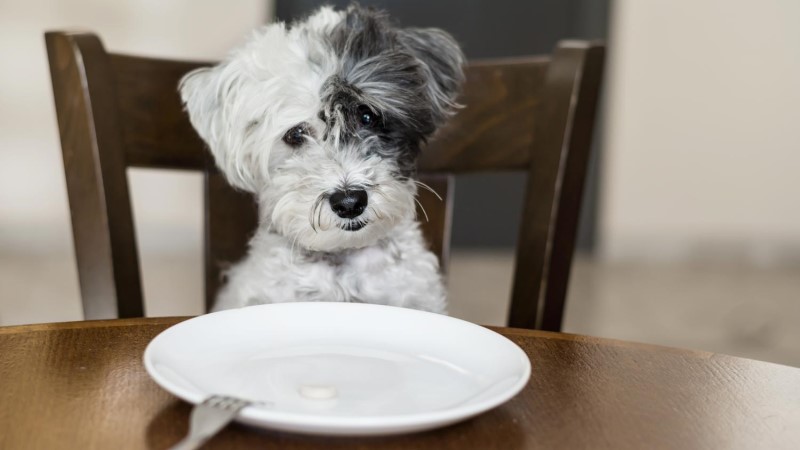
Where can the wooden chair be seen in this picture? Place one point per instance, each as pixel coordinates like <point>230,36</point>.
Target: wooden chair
<point>117,111</point>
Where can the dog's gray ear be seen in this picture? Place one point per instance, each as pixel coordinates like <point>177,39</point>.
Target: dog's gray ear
<point>442,62</point>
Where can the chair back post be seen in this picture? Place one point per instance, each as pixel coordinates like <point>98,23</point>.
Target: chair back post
<point>561,145</point>
<point>231,219</point>
<point>94,162</point>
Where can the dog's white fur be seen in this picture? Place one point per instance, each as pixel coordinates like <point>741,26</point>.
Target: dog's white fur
<point>242,108</point>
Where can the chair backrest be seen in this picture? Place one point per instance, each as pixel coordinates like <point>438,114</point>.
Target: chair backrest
<point>116,111</point>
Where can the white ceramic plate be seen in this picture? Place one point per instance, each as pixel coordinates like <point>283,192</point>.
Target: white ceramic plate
<point>340,368</point>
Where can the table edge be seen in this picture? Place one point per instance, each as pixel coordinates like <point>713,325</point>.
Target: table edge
<point>505,331</point>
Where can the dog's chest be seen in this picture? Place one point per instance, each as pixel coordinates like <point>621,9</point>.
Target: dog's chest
<point>349,274</point>
<point>398,271</point>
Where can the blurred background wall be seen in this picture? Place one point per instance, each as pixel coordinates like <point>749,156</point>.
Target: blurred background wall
<point>34,214</point>
<point>702,145</point>
<point>38,279</point>
<point>697,224</point>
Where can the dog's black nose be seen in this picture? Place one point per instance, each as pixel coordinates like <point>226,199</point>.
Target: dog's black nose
<point>349,203</point>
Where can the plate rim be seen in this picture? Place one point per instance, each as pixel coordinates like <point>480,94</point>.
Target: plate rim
<point>324,424</point>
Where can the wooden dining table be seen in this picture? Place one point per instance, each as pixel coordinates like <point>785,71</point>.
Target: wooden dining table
<point>82,385</point>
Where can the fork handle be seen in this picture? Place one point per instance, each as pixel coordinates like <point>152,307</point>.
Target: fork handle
<point>197,438</point>
<point>190,443</point>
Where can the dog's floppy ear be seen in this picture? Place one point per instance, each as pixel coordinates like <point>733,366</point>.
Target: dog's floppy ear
<point>442,63</point>
<point>208,94</point>
<point>202,102</point>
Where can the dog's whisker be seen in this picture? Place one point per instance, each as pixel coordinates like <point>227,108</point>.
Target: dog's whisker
<point>311,213</point>
<point>423,209</point>
<point>311,217</point>
<point>316,208</point>
<point>377,189</point>
<point>375,213</point>
<point>323,226</point>
<point>319,215</point>
<point>428,188</point>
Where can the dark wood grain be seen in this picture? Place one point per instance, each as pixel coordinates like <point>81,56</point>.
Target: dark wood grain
<point>555,186</point>
<point>155,129</point>
<point>231,218</point>
<point>495,128</point>
<point>587,64</point>
<point>82,385</point>
<point>531,114</point>
<point>97,186</point>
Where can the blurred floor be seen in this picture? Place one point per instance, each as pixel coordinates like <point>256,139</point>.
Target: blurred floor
<point>736,309</point>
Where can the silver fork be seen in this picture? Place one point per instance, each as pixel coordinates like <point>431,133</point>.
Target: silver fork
<point>208,418</point>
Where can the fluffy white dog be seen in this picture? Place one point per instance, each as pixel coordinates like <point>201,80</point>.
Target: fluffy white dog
<point>323,121</point>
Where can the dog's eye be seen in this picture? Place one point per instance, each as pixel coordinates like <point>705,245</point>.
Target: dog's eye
<point>366,117</point>
<point>295,136</point>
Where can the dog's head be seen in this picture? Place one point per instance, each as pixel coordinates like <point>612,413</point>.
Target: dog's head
<point>323,121</point>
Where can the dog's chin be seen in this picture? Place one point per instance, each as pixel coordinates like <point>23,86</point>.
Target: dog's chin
<point>354,225</point>
<point>347,235</point>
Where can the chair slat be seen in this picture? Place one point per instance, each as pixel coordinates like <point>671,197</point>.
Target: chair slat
<point>155,129</point>
<point>495,129</point>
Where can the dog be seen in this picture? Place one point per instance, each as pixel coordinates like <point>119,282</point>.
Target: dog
<point>323,121</point>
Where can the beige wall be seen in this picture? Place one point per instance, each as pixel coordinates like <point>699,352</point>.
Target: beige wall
<point>703,130</point>
<point>34,215</point>
<point>38,278</point>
